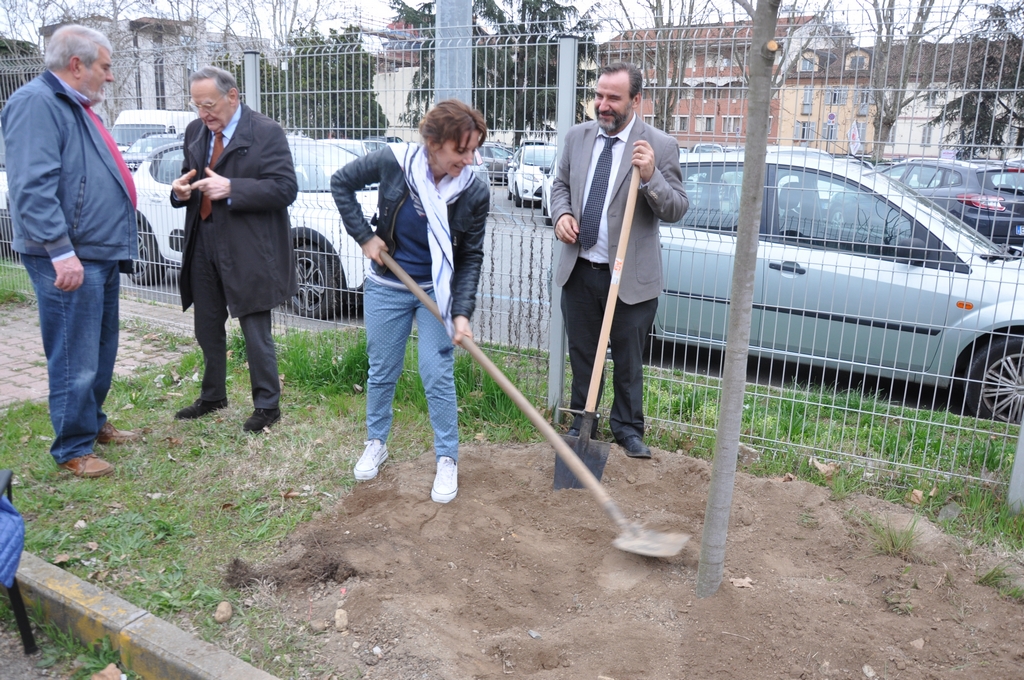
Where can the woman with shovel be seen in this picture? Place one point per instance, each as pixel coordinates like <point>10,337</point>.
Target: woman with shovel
<point>431,212</point>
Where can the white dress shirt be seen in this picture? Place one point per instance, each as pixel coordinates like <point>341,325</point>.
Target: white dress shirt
<point>599,253</point>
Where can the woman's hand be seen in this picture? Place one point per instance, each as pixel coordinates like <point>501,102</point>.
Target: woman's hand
<point>462,330</point>
<point>373,248</point>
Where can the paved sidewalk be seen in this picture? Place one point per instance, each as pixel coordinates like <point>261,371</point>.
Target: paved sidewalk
<point>23,364</point>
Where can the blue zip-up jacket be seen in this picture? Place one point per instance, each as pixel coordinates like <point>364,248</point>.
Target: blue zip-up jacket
<point>65,190</point>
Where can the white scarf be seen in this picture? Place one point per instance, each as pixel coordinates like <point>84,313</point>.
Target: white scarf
<point>435,199</point>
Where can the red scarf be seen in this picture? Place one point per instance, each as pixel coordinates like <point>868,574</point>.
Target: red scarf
<point>126,174</point>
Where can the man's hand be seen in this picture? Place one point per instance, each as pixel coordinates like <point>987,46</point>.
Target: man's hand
<point>462,330</point>
<point>373,248</point>
<point>182,186</point>
<point>566,229</point>
<point>70,274</point>
<point>214,186</point>
<point>643,159</point>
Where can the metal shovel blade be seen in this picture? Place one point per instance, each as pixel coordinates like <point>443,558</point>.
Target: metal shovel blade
<point>649,542</point>
<point>594,455</point>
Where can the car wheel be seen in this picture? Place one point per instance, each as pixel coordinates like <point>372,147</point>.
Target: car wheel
<point>995,380</point>
<point>317,272</point>
<point>148,269</point>
<point>510,191</point>
<point>516,198</point>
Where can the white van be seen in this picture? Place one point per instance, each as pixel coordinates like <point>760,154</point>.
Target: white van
<point>135,123</point>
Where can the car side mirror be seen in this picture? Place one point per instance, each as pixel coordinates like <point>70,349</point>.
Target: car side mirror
<point>911,251</point>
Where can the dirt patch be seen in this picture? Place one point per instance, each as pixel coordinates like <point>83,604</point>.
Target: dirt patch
<point>515,579</point>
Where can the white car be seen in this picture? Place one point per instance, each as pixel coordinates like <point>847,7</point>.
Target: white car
<point>328,262</point>
<point>545,190</point>
<point>526,173</point>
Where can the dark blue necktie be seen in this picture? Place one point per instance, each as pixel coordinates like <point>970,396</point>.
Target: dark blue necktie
<point>590,225</point>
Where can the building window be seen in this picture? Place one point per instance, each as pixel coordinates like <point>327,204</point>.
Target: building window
<point>681,123</point>
<point>857,63</point>
<point>705,123</point>
<point>804,131</point>
<point>808,101</point>
<point>831,132</point>
<point>649,119</point>
<point>732,124</point>
<point>837,97</point>
<point>934,97</point>
<point>806,65</point>
<point>862,132</point>
<point>686,93</point>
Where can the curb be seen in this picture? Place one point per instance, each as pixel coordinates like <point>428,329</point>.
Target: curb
<point>149,646</point>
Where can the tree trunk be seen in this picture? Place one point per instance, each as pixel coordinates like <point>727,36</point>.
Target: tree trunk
<point>734,380</point>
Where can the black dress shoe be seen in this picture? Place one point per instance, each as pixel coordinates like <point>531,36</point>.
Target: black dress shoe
<point>635,447</point>
<point>261,418</point>
<point>200,408</point>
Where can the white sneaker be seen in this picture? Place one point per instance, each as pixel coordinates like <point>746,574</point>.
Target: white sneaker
<point>446,481</point>
<point>373,457</point>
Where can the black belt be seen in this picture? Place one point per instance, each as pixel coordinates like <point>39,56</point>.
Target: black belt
<point>593,265</point>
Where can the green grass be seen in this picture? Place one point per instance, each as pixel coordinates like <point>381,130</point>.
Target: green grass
<point>196,494</point>
<point>1002,581</point>
<point>15,286</point>
<point>893,541</point>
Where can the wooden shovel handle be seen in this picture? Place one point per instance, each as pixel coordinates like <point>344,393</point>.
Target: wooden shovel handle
<point>613,291</point>
<point>563,450</point>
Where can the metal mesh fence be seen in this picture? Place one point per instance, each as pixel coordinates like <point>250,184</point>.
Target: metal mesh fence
<point>887,329</point>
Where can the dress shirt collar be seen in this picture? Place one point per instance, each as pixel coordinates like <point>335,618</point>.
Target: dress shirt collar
<point>82,99</point>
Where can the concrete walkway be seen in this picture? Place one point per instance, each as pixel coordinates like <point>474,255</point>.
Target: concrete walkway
<point>23,363</point>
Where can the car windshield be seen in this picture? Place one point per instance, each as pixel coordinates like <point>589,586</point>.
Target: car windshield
<point>1007,180</point>
<point>126,135</point>
<point>147,144</point>
<point>316,162</point>
<point>538,155</point>
<point>499,152</point>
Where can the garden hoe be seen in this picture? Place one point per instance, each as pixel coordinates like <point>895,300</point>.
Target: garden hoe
<point>595,454</point>
<point>632,538</point>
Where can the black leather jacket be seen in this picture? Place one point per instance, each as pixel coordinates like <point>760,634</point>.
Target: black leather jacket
<point>467,217</point>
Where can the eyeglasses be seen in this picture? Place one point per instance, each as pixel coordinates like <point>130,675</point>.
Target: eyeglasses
<point>206,106</point>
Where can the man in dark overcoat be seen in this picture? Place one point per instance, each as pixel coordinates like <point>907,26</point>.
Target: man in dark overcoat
<point>237,182</point>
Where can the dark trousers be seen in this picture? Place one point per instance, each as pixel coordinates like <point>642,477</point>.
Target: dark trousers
<point>583,301</point>
<point>211,313</point>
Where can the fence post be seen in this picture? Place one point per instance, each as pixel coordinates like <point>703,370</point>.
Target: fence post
<point>1015,494</point>
<point>568,48</point>
<point>454,51</point>
<point>251,76</point>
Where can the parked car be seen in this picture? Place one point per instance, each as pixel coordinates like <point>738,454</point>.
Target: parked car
<point>988,195</point>
<point>356,146</point>
<point>708,148</point>
<point>135,123</point>
<point>328,262</point>
<point>495,158</point>
<point>526,173</point>
<point>6,228</point>
<point>854,272</point>
<point>549,178</point>
<point>143,146</point>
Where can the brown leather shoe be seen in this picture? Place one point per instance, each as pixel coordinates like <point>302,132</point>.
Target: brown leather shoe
<point>111,435</point>
<point>88,466</point>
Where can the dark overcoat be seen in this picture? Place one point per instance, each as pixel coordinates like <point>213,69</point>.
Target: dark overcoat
<point>250,231</point>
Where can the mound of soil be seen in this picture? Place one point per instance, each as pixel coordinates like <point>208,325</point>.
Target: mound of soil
<point>515,579</point>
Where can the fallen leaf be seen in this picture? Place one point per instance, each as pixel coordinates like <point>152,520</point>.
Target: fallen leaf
<point>172,458</point>
<point>128,407</point>
<point>175,441</point>
<point>150,336</point>
<point>154,496</point>
<point>290,494</point>
<point>358,389</point>
<point>24,440</point>
<point>80,524</point>
<point>480,436</point>
<point>111,672</point>
<point>227,506</point>
<point>175,394</point>
<point>789,477</point>
<point>318,442</point>
<point>92,546</point>
<point>742,582</point>
<point>826,469</point>
<point>99,575</point>
<point>915,497</point>
<point>61,558</point>
<point>934,492</point>
<point>115,505</point>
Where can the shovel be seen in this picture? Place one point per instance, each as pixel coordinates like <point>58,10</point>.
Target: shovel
<point>633,537</point>
<point>595,454</point>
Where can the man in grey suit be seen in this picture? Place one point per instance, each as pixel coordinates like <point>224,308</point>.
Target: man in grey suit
<point>588,199</point>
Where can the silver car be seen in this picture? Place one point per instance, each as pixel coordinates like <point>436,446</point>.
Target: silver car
<point>854,272</point>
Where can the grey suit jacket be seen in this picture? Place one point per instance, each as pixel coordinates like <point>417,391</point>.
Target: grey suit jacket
<point>664,198</point>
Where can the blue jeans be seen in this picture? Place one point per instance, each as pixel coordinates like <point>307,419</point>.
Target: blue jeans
<point>80,332</point>
<point>388,313</point>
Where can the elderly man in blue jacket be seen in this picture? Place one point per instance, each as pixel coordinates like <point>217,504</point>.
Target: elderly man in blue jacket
<point>72,203</point>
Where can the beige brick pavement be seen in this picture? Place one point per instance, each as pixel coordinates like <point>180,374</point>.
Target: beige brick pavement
<point>23,364</point>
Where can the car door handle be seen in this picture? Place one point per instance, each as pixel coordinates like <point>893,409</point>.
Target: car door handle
<point>791,267</point>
